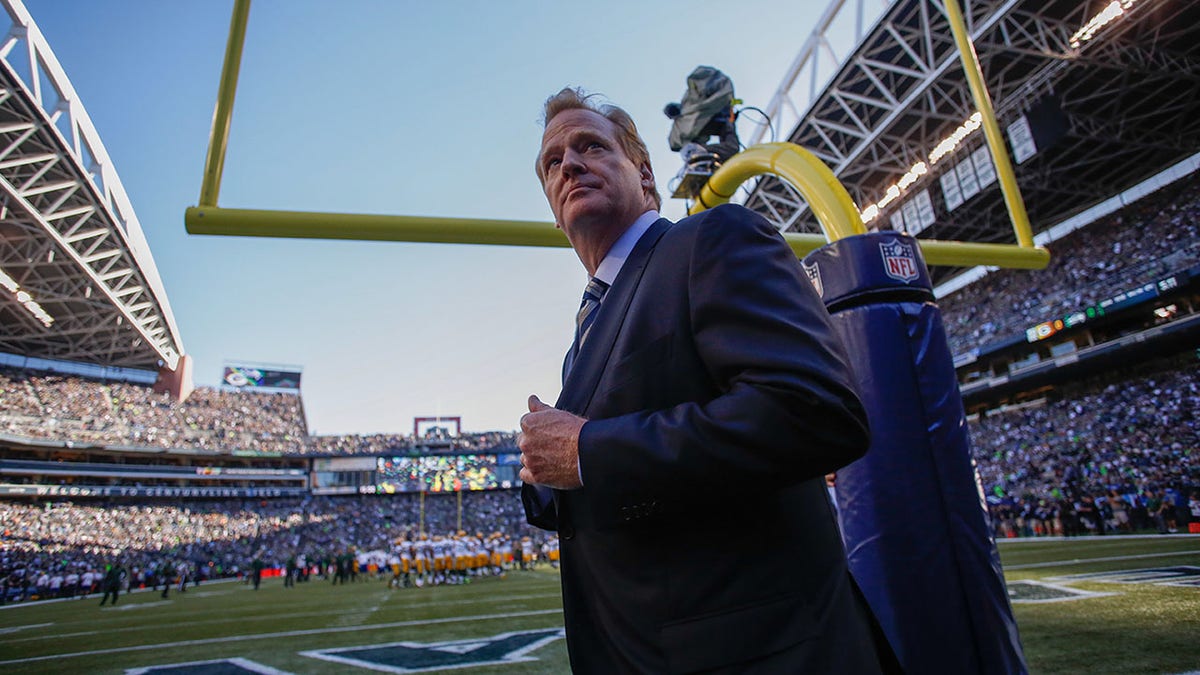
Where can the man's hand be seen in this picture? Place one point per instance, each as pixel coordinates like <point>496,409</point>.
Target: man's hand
<point>549,443</point>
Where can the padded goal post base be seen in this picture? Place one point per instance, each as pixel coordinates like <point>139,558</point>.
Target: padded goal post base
<point>912,513</point>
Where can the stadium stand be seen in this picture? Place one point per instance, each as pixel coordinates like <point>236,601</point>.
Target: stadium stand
<point>1142,242</point>
<point>82,410</point>
<point>384,444</point>
<point>1110,453</point>
<point>78,409</point>
<point>1102,448</point>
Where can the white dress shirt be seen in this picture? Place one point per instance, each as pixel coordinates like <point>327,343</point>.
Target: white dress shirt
<point>614,260</point>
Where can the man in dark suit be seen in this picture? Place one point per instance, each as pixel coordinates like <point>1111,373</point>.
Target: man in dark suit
<point>704,400</point>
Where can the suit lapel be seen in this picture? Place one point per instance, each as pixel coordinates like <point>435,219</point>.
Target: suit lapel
<point>580,383</point>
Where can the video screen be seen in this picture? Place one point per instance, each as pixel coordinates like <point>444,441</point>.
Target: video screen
<point>444,473</point>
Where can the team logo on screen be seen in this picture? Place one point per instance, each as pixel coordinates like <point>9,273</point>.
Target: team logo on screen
<point>899,261</point>
<point>236,378</point>
<point>814,275</point>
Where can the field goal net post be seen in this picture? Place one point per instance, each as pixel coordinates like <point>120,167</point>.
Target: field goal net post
<point>439,427</point>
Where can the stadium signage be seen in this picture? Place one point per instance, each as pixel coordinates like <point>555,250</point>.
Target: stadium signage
<point>245,471</point>
<point>340,490</point>
<point>249,377</point>
<point>344,464</point>
<point>814,275</point>
<point>1128,298</point>
<point>899,261</point>
<point>134,491</point>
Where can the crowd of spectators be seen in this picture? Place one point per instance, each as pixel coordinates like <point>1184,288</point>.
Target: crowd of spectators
<point>17,397</point>
<point>360,444</point>
<point>1142,242</point>
<point>1109,457</point>
<point>215,539</point>
<point>72,408</point>
<point>399,444</point>
<point>213,419</point>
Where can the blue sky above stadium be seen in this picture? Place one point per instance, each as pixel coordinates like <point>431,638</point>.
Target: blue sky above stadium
<point>389,107</point>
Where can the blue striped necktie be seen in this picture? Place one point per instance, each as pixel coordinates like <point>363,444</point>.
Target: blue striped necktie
<point>592,295</point>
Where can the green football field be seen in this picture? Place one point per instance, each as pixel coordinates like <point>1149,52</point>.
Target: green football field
<point>1117,619</point>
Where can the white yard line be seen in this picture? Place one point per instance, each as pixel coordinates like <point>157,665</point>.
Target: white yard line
<point>290,633</point>
<point>140,605</point>
<point>14,629</point>
<point>360,615</point>
<point>1080,561</point>
<point>183,624</point>
<point>1072,593</point>
<point>246,664</point>
<point>1096,537</point>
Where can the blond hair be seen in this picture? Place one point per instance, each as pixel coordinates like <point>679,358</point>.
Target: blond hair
<point>627,134</point>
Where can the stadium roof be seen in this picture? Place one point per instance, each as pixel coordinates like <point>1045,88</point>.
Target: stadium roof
<point>77,281</point>
<point>1108,90</point>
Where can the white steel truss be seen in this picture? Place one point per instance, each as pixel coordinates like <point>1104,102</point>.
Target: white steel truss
<point>836,33</point>
<point>68,233</point>
<point>1127,97</point>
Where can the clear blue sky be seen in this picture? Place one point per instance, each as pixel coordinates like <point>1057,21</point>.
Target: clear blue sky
<point>387,106</point>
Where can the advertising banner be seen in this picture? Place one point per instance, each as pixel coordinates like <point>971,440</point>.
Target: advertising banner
<point>141,491</point>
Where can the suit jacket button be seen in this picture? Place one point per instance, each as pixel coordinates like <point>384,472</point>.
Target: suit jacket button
<point>566,531</point>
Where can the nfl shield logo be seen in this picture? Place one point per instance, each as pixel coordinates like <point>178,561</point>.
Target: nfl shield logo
<point>899,262</point>
<point>814,275</point>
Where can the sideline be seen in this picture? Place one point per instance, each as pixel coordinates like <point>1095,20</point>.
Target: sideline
<point>92,596</point>
<point>290,633</point>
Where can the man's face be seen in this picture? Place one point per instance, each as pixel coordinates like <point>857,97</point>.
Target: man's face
<point>594,189</point>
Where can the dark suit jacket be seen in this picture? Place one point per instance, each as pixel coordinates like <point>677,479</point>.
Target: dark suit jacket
<point>717,398</point>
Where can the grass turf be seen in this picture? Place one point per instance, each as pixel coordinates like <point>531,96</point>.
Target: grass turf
<point>1142,628</point>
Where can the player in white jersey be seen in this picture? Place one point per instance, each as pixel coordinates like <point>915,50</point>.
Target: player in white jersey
<point>406,560</point>
<point>458,554</point>
<point>393,563</point>
<point>527,560</point>
<point>441,556</point>
<point>423,555</point>
<point>550,551</point>
<point>86,583</point>
<point>497,547</point>
<point>478,555</point>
